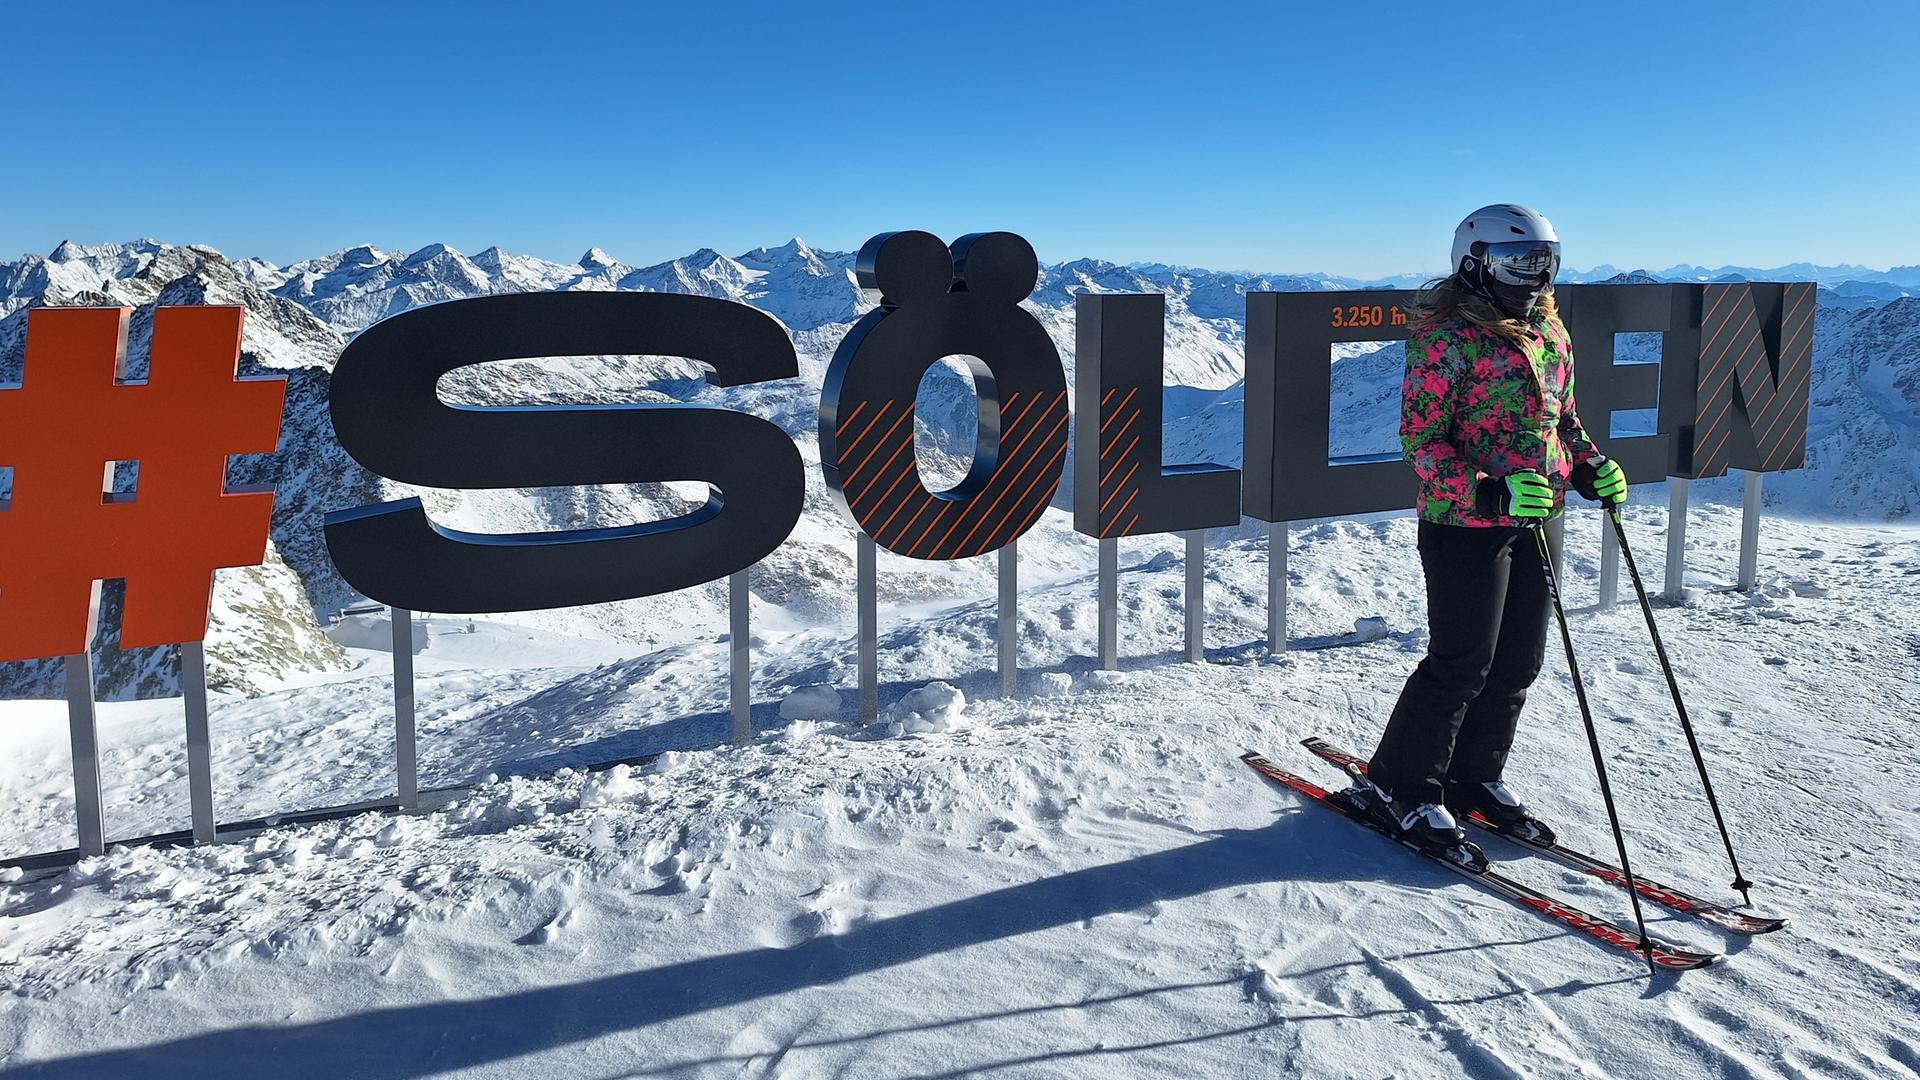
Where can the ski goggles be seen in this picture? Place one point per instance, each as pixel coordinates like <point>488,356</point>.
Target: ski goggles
<point>1522,262</point>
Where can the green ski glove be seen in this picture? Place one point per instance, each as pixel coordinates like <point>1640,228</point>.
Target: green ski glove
<point>1520,494</point>
<point>1600,479</point>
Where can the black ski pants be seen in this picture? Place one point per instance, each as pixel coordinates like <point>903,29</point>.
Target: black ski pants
<point>1487,607</point>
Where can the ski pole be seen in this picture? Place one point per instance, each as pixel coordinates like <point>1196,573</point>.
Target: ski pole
<point>1593,743</point>
<point>1740,881</point>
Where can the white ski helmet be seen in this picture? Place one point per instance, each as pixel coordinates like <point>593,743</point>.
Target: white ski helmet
<point>1498,224</point>
<point>1507,254</point>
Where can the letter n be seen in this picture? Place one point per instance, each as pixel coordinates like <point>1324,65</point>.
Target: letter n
<point>1750,390</point>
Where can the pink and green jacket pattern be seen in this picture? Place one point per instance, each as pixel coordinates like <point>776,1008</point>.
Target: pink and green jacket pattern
<point>1474,404</point>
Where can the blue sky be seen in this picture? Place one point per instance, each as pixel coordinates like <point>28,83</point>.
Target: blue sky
<point>1344,138</point>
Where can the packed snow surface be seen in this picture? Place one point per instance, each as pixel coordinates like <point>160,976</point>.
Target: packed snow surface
<point>1079,881</point>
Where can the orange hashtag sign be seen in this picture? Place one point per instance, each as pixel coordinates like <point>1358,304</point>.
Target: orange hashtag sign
<point>62,429</point>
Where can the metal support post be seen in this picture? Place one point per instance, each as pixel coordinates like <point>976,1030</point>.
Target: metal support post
<point>193,691</point>
<point>1009,627</point>
<point>85,737</point>
<point>1277,586</point>
<point>867,601</point>
<point>406,758</point>
<point>1196,603</point>
<point>740,681</point>
<point>1109,604</point>
<point>1676,537</point>
<point>1609,566</point>
<point>1750,507</point>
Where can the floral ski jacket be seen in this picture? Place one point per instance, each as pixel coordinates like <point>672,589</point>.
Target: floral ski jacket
<point>1473,405</point>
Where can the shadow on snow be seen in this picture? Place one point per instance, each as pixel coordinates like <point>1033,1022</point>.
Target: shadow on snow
<point>435,1037</point>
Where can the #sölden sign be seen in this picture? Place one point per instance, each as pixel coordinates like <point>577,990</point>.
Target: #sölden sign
<point>1731,390</point>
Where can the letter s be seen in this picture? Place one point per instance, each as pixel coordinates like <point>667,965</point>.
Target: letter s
<point>389,417</point>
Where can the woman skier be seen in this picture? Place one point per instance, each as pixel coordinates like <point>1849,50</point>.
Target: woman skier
<point>1488,423</point>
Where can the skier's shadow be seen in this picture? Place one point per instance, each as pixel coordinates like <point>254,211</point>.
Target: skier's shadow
<point>431,1038</point>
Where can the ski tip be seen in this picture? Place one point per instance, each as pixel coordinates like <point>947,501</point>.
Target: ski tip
<point>1692,963</point>
<point>1677,962</point>
<point>1739,923</point>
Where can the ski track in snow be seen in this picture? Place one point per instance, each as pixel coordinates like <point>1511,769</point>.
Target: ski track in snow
<point>1066,884</point>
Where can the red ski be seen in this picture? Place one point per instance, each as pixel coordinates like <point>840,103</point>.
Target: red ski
<point>1665,895</point>
<point>1669,957</point>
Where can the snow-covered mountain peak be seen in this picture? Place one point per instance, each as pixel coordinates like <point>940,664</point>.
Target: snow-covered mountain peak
<point>1093,268</point>
<point>430,253</point>
<point>361,255</point>
<point>705,272</point>
<point>794,250</point>
<point>1059,283</point>
<point>491,259</point>
<point>68,251</point>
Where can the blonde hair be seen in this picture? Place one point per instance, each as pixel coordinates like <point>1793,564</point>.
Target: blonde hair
<point>1446,298</point>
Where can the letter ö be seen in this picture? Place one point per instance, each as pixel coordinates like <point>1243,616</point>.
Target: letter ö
<point>935,301</point>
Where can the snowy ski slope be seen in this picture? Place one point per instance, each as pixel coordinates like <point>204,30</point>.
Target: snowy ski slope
<point>1084,881</point>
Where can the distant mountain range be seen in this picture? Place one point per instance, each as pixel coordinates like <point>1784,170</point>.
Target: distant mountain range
<point>803,286</point>
<point>269,621</point>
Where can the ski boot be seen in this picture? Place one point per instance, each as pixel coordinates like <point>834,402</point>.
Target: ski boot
<point>1428,826</point>
<point>1500,808</point>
